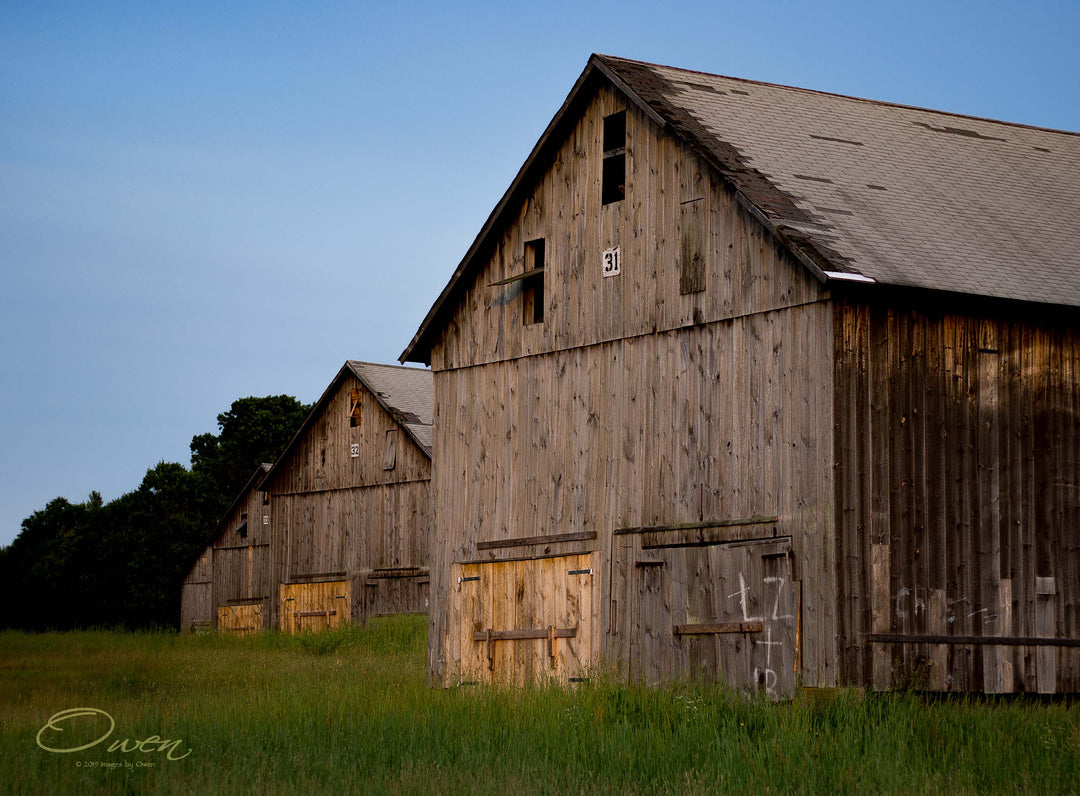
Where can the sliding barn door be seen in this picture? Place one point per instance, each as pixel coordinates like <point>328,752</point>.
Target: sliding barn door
<point>721,612</point>
<point>524,621</point>
<point>314,606</point>
<point>240,619</point>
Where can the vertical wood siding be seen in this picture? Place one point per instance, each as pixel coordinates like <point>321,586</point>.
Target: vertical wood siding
<point>958,499</point>
<point>196,595</point>
<point>714,610</point>
<point>675,207</point>
<point>642,399</point>
<point>342,517</point>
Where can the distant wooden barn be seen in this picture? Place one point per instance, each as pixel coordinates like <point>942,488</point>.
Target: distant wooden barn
<point>338,529</point>
<point>767,385</point>
<point>352,513</point>
<point>229,586</point>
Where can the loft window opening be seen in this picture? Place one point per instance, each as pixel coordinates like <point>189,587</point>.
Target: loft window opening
<point>613,187</point>
<point>532,287</point>
<point>356,407</point>
<point>242,530</point>
<point>615,132</point>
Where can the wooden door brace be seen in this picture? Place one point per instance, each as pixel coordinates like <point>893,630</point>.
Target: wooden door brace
<point>717,628</point>
<point>551,633</point>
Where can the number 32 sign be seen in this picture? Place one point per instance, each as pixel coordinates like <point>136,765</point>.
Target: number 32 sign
<point>611,262</point>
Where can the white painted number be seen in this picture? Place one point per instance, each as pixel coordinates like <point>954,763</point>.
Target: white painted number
<point>611,262</point>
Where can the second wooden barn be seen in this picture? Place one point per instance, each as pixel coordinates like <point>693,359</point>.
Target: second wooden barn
<point>229,586</point>
<point>763,384</point>
<point>350,529</point>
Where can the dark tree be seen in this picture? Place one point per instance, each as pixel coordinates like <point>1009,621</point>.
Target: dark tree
<point>253,431</point>
<point>121,563</point>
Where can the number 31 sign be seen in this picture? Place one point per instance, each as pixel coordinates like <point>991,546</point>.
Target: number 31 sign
<point>611,262</point>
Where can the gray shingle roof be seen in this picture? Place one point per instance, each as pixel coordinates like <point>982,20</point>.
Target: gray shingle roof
<point>900,195</point>
<point>858,190</point>
<point>405,393</point>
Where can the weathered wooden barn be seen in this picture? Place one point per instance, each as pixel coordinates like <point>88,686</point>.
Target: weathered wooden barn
<point>229,585</point>
<point>763,384</point>
<point>351,525</point>
<point>339,528</point>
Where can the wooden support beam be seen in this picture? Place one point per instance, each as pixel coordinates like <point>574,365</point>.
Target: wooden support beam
<point>522,635</point>
<point>522,541</point>
<point>717,628</point>
<point>1011,641</point>
<point>695,526</point>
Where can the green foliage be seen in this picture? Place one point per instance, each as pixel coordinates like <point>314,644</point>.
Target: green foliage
<point>253,431</point>
<point>351,712</point>
<point>121,563</point>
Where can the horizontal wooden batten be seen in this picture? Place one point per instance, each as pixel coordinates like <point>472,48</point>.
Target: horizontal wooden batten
<point>522,635</point>
<point>539,557</point>
<point>317,576</point>
<point>717,628</point>
<point>526,541</point>
<point>690,534</point>
<point>374,485</point>
<point>306,614</point>
<point>696,526</point>
<point>1002,641</point>
<point>398,572</point>
<point>518,277</point>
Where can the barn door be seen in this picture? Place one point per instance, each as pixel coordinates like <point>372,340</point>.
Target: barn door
<point>523,621</point>
<point>240,619</point>
<point>314,606</point>
<point>724,612</point>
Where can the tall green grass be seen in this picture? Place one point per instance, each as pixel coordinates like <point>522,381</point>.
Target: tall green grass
<point>349,711</point>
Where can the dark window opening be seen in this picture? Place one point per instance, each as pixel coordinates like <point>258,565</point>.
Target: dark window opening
<point>613,186</point>
<point>532,288</point>
<point>615,131</point>
<point>614,189</point>
<point>242,530</point>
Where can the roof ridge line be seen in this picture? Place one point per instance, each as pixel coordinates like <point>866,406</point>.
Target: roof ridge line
<point>852,97</point>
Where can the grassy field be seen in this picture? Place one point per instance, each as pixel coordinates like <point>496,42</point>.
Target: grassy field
<point>349,712</point>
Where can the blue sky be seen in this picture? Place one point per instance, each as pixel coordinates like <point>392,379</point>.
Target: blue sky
<point>202,201</point>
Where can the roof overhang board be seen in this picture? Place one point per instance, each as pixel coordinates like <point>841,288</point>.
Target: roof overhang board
<point>597,62</point>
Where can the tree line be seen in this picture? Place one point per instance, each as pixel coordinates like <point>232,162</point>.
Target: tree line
<point>121,563</point>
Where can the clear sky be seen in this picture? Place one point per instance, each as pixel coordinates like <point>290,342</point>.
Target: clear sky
<point>202,201</point>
